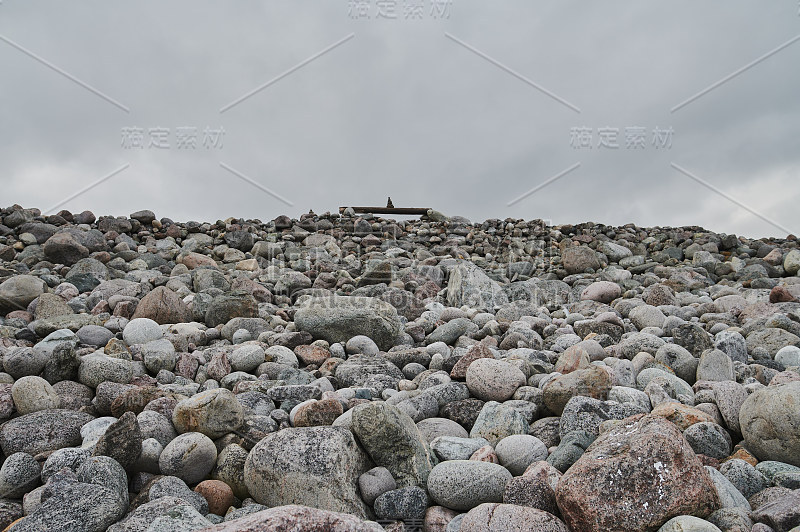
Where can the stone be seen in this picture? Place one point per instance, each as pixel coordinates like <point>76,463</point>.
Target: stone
<point>488,517</point>
<point>294,518</point>
<point>213,413</point>
<point>497,421</point>
<point>190,457</point>
<point>64,248</point>
<point>536,488</point>
<point>579,259</point>
<point>593,382</point>
<point>246,358</point>
<point>791,262</point>
<point>692,337</point>
<point>647,316</point>
<point>218,495</point>
<point>406,504</point>
<point>769,428</point>
<point>636,476</point>
<point>745,478</point>
<point>45,430</point>
<point>586,414</point>
<point>601,291</point>
<point>77,506</point>
<point>318,413</point>
<point>570,449</point>
<point>32,394</point>
<point>51,306</point>
<point>688,523</point>
<point>715,365</point>
<point>17,292</point>
<point>231,305</point>
<point>94,335</point>
<point>518,451</point>
<point>19,474</point>
<point>98,368</point>
<point>392,440</point>
<point>141,331</point>
<point>709,439</point>
<point>781,514</point>
<point>732,344</point>
<point>162,305</point>
<point>493,380</point>
<point>469,285</point>
<point>230,469</point>
<point>728,495</point>
<point>159,355</point>
<point>374,483</point>
<point>339,318</point>
<point>464,484</point>
<point>282,466</point>
<point>121,441</point>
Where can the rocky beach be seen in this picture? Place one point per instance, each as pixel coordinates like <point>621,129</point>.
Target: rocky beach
<point>350,372</point>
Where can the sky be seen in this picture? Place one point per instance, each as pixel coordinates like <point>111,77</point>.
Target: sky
<point>653,113</point>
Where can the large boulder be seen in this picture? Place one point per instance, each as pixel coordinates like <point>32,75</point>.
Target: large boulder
<point>769,420</point>
<point>339,318</point>
<point>312,466</point>
<point>636,476</point>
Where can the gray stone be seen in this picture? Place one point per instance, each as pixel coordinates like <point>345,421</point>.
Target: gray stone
<point>32,394</point>
<point>688,523</point>
<point>45,430</point>
<point>17,292</point>
<point>339,318</point>
<point>586,414</point>
<point>141,331</point>
<point>570,449</point>
<point>374,483</point>
<point>19,475</point>
<point>75,507</point>
<point>190,457</point>
<point>169,486</point>
<point>180,518</point>
<point>715,365</point>
<point>213,413</point>
<point>70,457</point>
<point>769,428</point>
<point>709,439</point>
<point>469,285</point>
<point>464,484</point>
<point>246,358</point>
<point>497,421</point>
<point>392,440</point>
<point>94,335</point>
<point>744,477</point>
<point>98,368</point>
<point>405,504</point>
<point>284,465</point>
<point>489,379</point>
<point>732,344</point>
<point>729,496</point>
<point>519,451</point>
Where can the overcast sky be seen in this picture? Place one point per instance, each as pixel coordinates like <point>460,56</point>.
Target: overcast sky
<point>463,106</point>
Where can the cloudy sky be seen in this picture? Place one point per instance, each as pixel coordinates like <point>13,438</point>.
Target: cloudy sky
<point>655,113</point>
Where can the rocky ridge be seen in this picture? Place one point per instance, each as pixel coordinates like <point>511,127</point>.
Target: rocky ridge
<point>359,373</point>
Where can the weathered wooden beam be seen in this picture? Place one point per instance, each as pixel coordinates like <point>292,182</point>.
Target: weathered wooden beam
<point>386,210</point>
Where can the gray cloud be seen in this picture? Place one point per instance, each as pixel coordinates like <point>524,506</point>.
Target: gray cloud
<point>402,110</point>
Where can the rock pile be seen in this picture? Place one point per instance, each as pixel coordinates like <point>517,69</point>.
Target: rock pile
<point>353,373</point>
